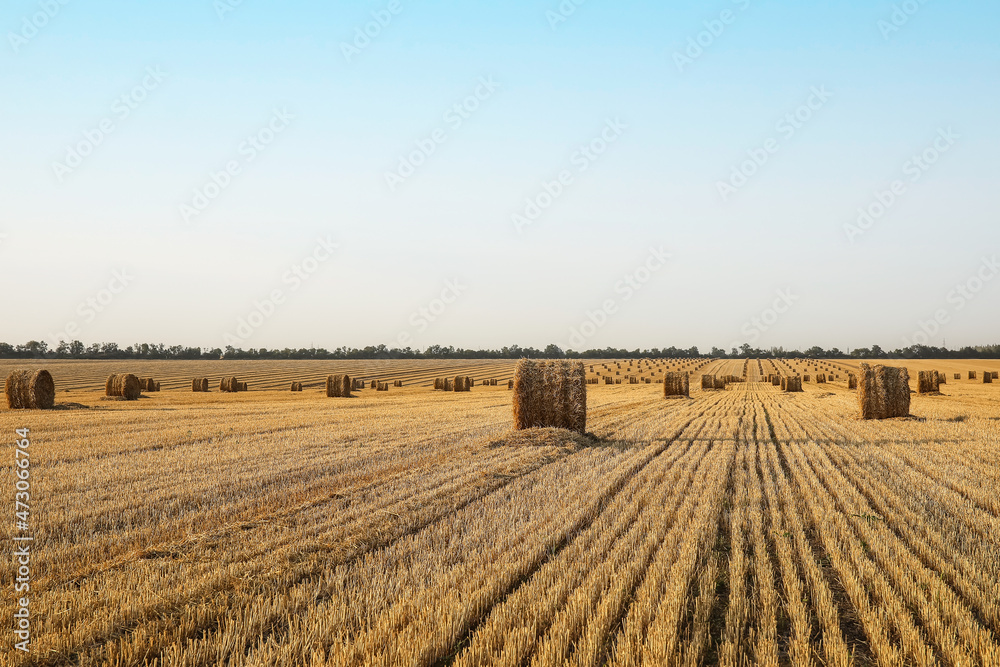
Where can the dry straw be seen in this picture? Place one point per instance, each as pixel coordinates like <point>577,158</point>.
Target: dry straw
<point>296,386</point>
<point>883,392</point>
<point>30,390</point>
<point>791,384</point>
<point>123,385</point>
<point>338,386</point>
<point>927,382</point>
<point>230,385</point>
<point>550,394</point>
<point>972,375</point>
<point>676,384</point>
<point>852,381</point>
<point>987,378</point>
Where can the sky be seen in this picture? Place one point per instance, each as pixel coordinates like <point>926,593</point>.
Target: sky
<point>583,173</point>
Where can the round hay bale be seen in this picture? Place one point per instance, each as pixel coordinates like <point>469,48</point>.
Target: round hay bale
<point>30,390</point>
<point>123,385</point>
<point>338,386</point>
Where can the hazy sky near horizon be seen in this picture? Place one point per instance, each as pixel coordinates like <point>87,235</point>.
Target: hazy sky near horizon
<point>625,174</point>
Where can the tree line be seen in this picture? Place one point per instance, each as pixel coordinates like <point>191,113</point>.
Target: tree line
<point>77,350</point>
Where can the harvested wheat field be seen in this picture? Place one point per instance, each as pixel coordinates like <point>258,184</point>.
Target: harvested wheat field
<point>744,526</point>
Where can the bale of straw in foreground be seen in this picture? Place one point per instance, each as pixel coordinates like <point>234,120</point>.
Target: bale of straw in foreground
<point>883,392</point>
<point>30,390</point>
<point>676,384</point>
<point>791,384</point>
<point>123,385</point>
<point>550,394</point>
<point>338,386</point>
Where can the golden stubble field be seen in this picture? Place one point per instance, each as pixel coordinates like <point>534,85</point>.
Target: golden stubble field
<point>743,526</point>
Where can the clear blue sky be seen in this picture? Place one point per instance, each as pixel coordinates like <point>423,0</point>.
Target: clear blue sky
<point>184,85</point>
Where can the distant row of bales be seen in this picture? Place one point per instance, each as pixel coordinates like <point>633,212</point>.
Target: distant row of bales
<point>546,393</point>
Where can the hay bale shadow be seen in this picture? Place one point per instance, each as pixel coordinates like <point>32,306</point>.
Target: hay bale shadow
<point>548,437</point>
